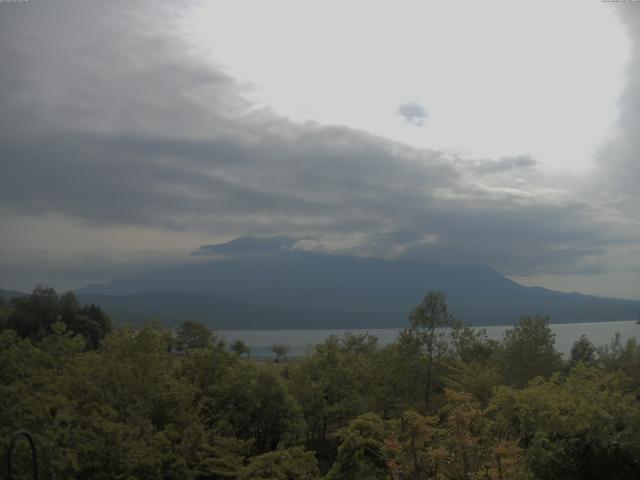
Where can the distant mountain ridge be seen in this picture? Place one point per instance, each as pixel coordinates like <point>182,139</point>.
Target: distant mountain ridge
<point>287,288</point>
<point>8,295</point>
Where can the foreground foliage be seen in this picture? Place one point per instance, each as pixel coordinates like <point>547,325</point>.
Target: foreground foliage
<point>442,402</point>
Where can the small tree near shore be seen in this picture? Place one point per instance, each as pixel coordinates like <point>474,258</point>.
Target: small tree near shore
<point>281,350</point>
<point>240,348</point>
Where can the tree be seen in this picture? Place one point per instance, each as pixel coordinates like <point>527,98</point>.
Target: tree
<point>62,343</point>
<point>622,357</point>
<point>281,350</point>
<point>581,426</point>
<point>250,403</point>
<point>400,370</point>
<point>529,351</point>
<point>473,345</point>
<point>331,386</point>
<point>413,451</point>
<point>191,334</point>
<point>33,316</point>
<point>465,425</point>
<point>429,321</point>
<point>240,348</point>
<point>293,463</point>
<point>4,316</point>
<point>68,307</point>
<point>582,351</point>
<point>92,323</point>
<point>361,453</point>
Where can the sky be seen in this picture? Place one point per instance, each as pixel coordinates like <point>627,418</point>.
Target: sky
<point>501,133</point>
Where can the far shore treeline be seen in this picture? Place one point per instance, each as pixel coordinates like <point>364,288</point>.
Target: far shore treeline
<point>441,402</point>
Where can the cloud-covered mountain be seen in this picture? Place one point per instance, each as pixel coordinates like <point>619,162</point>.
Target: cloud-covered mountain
<point>122,145</point>
<point>272,287</point>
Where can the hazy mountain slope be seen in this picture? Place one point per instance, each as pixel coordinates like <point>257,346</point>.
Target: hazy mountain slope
<point>7,295</point>
<point>173,307</point>
<point>329,290</point>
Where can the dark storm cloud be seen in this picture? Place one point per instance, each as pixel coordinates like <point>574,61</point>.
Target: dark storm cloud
<point>107,118</point>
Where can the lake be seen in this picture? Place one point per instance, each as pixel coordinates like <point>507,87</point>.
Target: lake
<point>261,341</point>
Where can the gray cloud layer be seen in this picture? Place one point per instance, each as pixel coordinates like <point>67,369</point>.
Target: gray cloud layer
<point>107,118</point>
<point>620,158</point>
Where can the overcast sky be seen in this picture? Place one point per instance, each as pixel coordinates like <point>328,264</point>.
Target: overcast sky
<point>503,133</point>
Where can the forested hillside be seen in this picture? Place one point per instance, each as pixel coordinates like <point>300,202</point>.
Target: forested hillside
<point>442,402</point>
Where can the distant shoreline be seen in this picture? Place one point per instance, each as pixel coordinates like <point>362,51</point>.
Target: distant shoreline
<point>261,340</point>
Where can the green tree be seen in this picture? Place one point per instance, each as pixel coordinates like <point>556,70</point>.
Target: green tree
<point>68,307</point>
<point>191,334</point>
<point>281,350</point>
<point>430,321</point>
<point>474,378</point>
<point>62,343</point>
<point>240,348</point>
<point>362,450</point>
<point>4,315</point>
<point>89,321</point>
<point>398,382</point>
<point>330,386</point>
<point>529,351</point>
<point>582,426</point>
<point>250,403</point>
<point>582,351</point>
<point>92,323</point>
<point>293,463</point>
<point>472,345</point>
<point>33,316</point>
<point>622,357</point>
<point>474,366</point>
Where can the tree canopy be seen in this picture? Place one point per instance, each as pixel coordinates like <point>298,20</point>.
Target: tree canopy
<point>152,403</point>
<point>191,334</point>
<point>34,316</point>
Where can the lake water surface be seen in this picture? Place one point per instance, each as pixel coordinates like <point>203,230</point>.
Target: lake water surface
<point>261,341</point>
